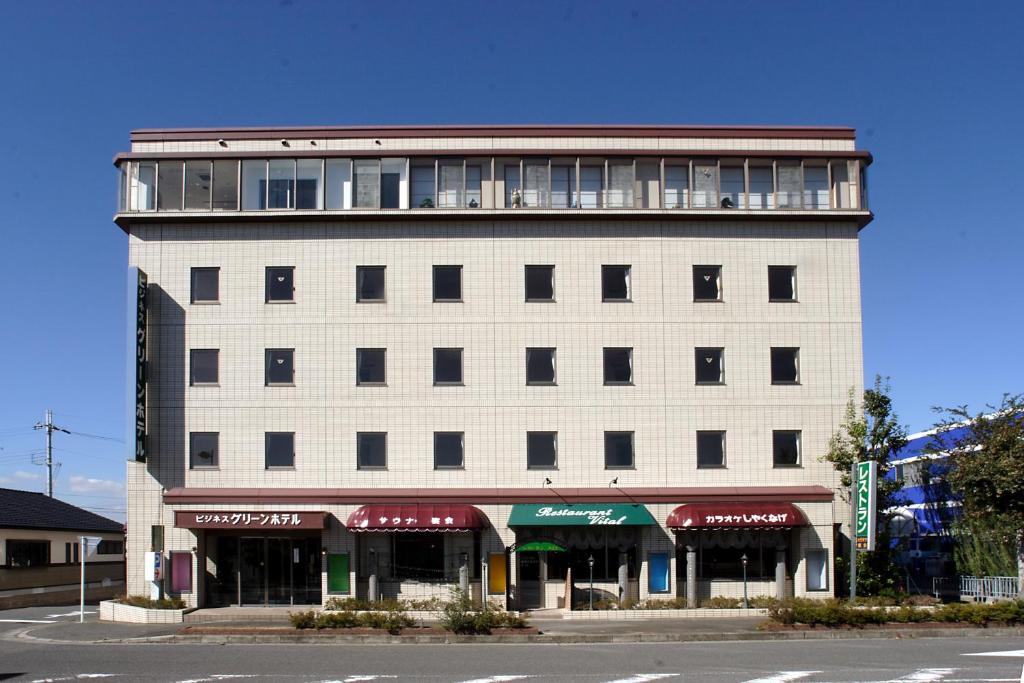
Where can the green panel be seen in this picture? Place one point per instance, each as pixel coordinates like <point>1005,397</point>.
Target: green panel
<point>581,514</point>
<point>538,546</point>
<point>337,573</point>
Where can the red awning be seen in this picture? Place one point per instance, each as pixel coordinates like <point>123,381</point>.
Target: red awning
<point>416,517</point>
<point>736,516</point>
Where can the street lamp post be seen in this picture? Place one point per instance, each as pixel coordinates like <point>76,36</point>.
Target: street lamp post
<point>743,559</point>
<point>590,562</point>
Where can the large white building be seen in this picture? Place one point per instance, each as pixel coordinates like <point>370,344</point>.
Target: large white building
<point>369,358</point>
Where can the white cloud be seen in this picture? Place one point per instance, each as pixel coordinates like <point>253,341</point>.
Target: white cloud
<point>21,474</point>
<point>19,478</point>
<point>79,484</point>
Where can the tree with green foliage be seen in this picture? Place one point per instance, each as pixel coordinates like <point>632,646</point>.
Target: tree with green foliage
<point>986,469</point>
<point>871,431</point>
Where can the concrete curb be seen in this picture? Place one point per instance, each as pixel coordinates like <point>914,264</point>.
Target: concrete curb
<point>366,639</point>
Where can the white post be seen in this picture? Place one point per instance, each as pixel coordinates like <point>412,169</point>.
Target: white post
<point>81,599</point>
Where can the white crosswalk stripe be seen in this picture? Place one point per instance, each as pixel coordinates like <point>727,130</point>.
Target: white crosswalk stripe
<point>495,679</point>
<point>642,678</point>
<point>924,676</point>
<point>783,677</point>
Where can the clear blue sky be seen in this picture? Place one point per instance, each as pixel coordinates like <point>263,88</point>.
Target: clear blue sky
<point>934,89</point>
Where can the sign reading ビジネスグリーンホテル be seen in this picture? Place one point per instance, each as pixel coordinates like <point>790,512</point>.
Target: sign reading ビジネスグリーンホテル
<point>248,519</point>
<point>864,500</point>
<point>137,313</point>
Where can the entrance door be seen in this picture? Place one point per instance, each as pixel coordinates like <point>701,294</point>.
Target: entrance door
<point>252,573</point>
<point>529,580</point>
<point>279,571</point>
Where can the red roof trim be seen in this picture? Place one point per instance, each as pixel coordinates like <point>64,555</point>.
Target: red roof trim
<point>739,515</point>
<point>446,131</point>
<point>507,496</point>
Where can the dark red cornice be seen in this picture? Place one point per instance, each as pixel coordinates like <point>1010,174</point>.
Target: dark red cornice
<point>500,496</point>
<point>450,131</point>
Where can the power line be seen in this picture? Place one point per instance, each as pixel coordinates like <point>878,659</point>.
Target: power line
<point>97,436</point>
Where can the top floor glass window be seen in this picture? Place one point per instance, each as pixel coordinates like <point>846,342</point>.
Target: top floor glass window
<point>677,187</point>
<point>367,184</point>
<point>537,185</point>
<point>338,183</point>
<point>225,185</point>
<point>705,185</point>
<point>281,184</point>
<point>254,185</point>
<point>620,185</point>
<point>513,185</point>
<point>591,187</point>
<point>732,194</point>
<point>790,185</point>
<point>142,186</point>
<point>474,183</point>
<point>309,184</point>
<point>170,185</point>
<point>422,187</point>
<point>198,185</point>
<point>762,187</point>
<point>563,187</point>
<point>450,185</point>
<point>816,187</point>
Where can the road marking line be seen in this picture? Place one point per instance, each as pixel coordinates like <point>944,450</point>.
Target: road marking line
<point>924,676</point>
<point>76,613</point>
<point>642,678</point>
<point>1000,653</point>
<point>495,679</point>
<point>783,677</point>
<point>26,621</point>
<point>76,677</point>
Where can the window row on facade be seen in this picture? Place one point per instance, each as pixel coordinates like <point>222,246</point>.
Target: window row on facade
<point>449,450</point>
<point>337,184</point>
<point>538,281</point>
<point>541,366</point>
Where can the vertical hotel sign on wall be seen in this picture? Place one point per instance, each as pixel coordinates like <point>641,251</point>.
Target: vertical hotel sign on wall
<point>137,344</point>
<point>865,489</point>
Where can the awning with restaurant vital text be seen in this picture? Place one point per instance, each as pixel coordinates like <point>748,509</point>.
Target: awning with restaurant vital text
<point>581,514</point>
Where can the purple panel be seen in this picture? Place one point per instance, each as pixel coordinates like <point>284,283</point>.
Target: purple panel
<point>181,572</point>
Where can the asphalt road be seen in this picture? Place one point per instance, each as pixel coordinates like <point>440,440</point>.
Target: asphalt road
<point>946,660</point>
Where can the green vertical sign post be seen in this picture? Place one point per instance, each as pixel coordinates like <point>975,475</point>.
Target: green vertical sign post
<point>865,492</point>
<point>863,502</point>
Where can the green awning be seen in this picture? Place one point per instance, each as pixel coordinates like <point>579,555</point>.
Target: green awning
<point>581,514</point>
<point>538,546</point>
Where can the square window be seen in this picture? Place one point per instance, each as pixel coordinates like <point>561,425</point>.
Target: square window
<point>785,448</point>
<point>370,366</point>
<point>709,365</point>
<point>280,449</point>
<point>541,450</point>
<point>618,366</point>
<point>615,283</point>
<point>205,285</point>
<point>707,283</point>
<point>204,365</point>
<point>280,284</point>
<point>203,449</point>
<point>710,449</point>
<point>370,283</point>
<point>785,365</point>
<point>447,366</point>
<point>782,283</point>
<point>371,450</point>
<point>447,283</point>
<point>540,283</point>
<point>540,366</point>
<point>618,450</point>
<point>280,367</point>
<point>448,448</point>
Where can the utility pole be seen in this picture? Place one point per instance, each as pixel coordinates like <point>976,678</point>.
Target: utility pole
<point>50,429</point>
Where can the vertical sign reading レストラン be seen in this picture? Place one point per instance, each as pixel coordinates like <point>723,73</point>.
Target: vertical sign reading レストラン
<point>137,343</point>
<point>864,498</point>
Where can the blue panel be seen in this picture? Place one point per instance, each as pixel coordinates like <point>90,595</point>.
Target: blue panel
<point>659,567</point>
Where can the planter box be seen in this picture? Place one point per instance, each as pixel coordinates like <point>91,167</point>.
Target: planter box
<point>116,611</point>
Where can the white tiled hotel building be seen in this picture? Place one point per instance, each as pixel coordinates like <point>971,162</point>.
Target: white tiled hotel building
<point>390,359</point>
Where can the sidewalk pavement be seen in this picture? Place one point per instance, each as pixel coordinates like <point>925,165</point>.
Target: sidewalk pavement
<point>552,630</point>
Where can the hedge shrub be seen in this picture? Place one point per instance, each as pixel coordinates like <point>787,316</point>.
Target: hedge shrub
<point>833,613</point>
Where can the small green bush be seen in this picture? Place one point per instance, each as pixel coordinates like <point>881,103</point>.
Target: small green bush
<point>763,601</point>
<point>307,619</point>
<point>662,603</point>
<point>720,602</point>
<point>460,615</point>
<point>833,613</point>
<point>150,603</point>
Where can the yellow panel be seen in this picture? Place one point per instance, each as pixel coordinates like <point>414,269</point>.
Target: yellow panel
<point>496,575</point>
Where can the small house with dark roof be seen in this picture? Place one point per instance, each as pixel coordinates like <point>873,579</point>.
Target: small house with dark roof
<point>40,551</point>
